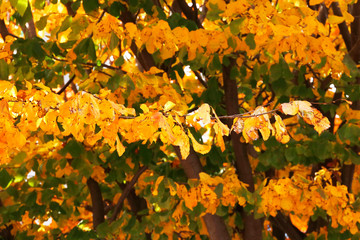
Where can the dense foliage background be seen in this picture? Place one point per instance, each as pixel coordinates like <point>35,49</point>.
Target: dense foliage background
<point>160,119</point>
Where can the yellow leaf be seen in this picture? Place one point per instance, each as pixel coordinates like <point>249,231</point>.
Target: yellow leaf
<point>173,190</point>
<point>43,87</point>
<point>202,114</point>
<point>119,146</point>
<point>300,223</point>
<point>264,126</point>
<point>98,174</point>
<point>181,140</point>
<point>168,106</point>
<point>281,134</point>
<point>250,129</point>
<point>179,80</point>
<point>144,108</point>
<point>289,108</point>
<point>219,137</point>
<point>204,177</point>
<point>7,90</point>
<point>158,181</point>
<point>224,129</point>
<point>28,85</point>
<point>287,204</point>
<point>3,55</point>
<point>238,125</point>
<point>304,106</point>
<point>200,148</point>
<point>332,19</point>
<point>352,114</point>
<point>132,29</point>
<point>348,17</point>
<point>315,2</point>
<point>315,118</point>
<point>322,125</point>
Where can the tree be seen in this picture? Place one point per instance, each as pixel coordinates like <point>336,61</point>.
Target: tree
<point>179,119</point>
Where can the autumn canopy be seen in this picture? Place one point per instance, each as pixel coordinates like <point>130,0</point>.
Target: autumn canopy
<point>183,119</point>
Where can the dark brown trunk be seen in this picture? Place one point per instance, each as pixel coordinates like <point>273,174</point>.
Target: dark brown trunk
<point>214,224</point>
<point>96,201</point>
<point>252,227</point>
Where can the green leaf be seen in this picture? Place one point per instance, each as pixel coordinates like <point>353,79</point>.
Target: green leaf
<point>116,8</point>
<point>77,233</point>
<point>21,6</point>
<point>120,61</point>
<point>130,224</point>
<point>250,40</point>
<point>4,70</point>
<point>321,64</point>
<point>86,47</point>
<point>113,82</point>
<point>103,229</point>
<point>321,192</point>
<point>74,148</point>
<point>31,199</point>
<point>19,158</point>
<point>218,190</point>
<point>41,24</point>
<point>213,12</point>
<point>351,65</point>
<point>66,23</point>
<point>349,132</point>
<point>90,5</point>
<point>236,25</point>
<point>39,4</point>
<point>231,42</point>
<point>5,178</point>
<point>114,41</point>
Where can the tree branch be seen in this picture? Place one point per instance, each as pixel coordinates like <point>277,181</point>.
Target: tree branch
<point>136,203</point>
<point>66,85</point>
<point>282,223</point>
<point>342,26</point>
<point>323,13</point>
<point>355,25</point>
<point>29,27</point>
<point>97,202</point>
<point>189,13</point>
<point>69,9</point>
<point>201,80</point>
<point>126,192</point>
<point>4,31</point>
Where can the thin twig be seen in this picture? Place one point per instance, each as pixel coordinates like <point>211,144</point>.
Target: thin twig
<point>244,115</point>
<point>170,8</point>
<point>201,80</point>
<point>316,75</point>
<point>126,192</point>
<point>66,85</point>
<point>101,16</point>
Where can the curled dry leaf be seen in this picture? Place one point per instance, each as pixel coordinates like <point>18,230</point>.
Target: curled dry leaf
<point>309,114</point>
<point>238,125</point>
<point>261,122</point>
<point>200,117</point>
<point>281,134</point>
